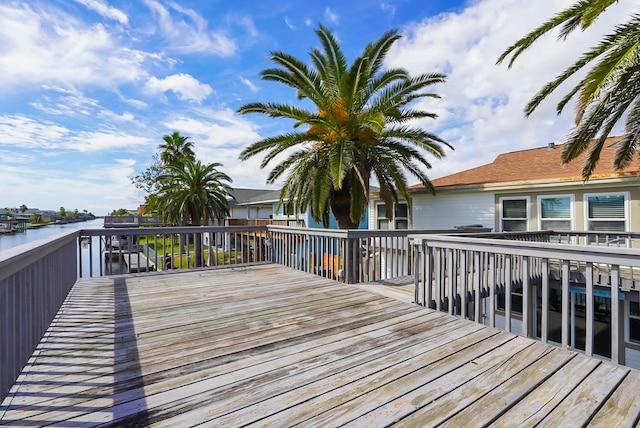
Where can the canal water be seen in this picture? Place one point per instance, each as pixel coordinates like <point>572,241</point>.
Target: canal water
<point>13,240</point>
<point>97,261</point>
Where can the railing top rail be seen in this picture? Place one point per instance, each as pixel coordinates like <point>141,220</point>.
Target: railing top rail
<point>170,230</point>
<point>364,233</point>
<point>549,250</point>
<point>16,258</point>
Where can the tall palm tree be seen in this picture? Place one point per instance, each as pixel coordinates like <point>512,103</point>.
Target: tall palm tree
<point>192,193</point>
<point>358,128</point>
<point>176,147</point>
<point>609,91</point>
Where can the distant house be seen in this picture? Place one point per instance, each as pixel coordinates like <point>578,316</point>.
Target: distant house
<point>262,204</point>
<point>249,204</point>
<point>526,190</point>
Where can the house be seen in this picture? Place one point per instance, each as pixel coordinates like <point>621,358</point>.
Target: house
<point>531,190</point>
<point>264,204</point>
<point>249,204</point>
<point>526,190</point>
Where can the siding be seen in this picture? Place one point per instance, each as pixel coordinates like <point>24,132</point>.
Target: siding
<point>448,211</point>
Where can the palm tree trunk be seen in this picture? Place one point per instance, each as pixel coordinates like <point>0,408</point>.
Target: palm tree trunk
<point>341,208</point>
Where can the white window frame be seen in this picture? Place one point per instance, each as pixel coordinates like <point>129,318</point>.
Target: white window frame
<point>627,213</point>
<point>392,223</point>
<point>571,209</point>
<point>627,328</point>
<point>528,211</point>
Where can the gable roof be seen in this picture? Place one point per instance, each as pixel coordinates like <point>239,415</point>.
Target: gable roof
<point>242,196</point>
<point>538,165</point>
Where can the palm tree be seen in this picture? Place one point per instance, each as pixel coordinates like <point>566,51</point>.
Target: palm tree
<point>358,129</point>
<point>192,193</point>
<point>175,148</point>
<point>609,91</point>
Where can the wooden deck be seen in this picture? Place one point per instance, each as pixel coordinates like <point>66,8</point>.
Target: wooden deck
<point>271,346</point>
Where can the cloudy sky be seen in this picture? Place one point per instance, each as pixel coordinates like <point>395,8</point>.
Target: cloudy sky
<point>89,87</point>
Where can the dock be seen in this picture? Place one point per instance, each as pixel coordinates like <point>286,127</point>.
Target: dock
<point>267,345</point>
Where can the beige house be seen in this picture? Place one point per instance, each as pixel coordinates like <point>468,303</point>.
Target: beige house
<point>527,190</point>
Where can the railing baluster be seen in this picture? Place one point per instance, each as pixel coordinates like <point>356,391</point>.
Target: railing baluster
<point>464,283</point>
<point>492,290</point>
<point>565,298</point>
<point>476,288</point>
<point>615,314</point>
<point>508,292</point>
<point>526,298</point>
<point>589,315</point>
<point>544,334</point>
<point>450,280</point>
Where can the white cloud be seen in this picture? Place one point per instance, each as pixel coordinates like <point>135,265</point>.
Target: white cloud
<point>136,103</point>
<point>249,84</point>
<point>189,33</point>
<point>387,7</point>
<point>184,85</point>
<point>21,131</point>
<point>111,116</point>
<point>481,110</point>
<point>330,16</point>
<point>51,48</point>
<point>289,23</point>
<point>74,104</point>
<point>247,23</point>
<point>105,10</point>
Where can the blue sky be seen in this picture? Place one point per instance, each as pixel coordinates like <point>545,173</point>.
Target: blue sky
<point>89,87</point>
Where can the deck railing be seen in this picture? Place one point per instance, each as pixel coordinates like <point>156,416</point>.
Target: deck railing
<point>606,239</point>
<point>35,278</point>
<point>351,256</point>
<point>463,276</point>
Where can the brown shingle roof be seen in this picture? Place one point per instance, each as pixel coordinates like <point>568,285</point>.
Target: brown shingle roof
<point>539,164</point>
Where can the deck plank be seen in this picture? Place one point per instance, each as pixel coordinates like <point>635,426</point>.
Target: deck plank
<point>267,345</point>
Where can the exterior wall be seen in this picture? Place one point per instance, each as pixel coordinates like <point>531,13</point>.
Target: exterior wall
<point>309,222</point>
<point>578,193</point>
<point>247,211</point>
<point>446,211</point>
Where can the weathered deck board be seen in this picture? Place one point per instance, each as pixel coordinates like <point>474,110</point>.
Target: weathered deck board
<point>271,346</point>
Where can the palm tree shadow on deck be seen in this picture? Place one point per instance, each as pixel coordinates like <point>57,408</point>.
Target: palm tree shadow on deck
<point>126,354</point>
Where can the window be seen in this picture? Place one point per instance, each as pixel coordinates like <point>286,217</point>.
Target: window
<point>400,217</point>
<point>606,212</point>
<point>555,212</point>
<point>633,322</point>
<point>514,215</point>
<point>286,209</point>
<point>516,301</point>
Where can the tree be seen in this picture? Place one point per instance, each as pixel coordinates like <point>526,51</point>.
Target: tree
<point>608,92</point>
<point>147,180</point>
<point>175,148</point>
<point>23,208</point>
<point>63,212</point>
<point>359,128</point>
<point>192,193</point>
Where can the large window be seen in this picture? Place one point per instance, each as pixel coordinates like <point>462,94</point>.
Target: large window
<point>514,214</point>
<point>555,212</point>
<point>606,212</point>
<point>400,217</point>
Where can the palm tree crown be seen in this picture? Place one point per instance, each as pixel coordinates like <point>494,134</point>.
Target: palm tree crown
<point>609,91</point>
<point>175,148</point>
<point>359,127</point>
<point>192,193</point>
